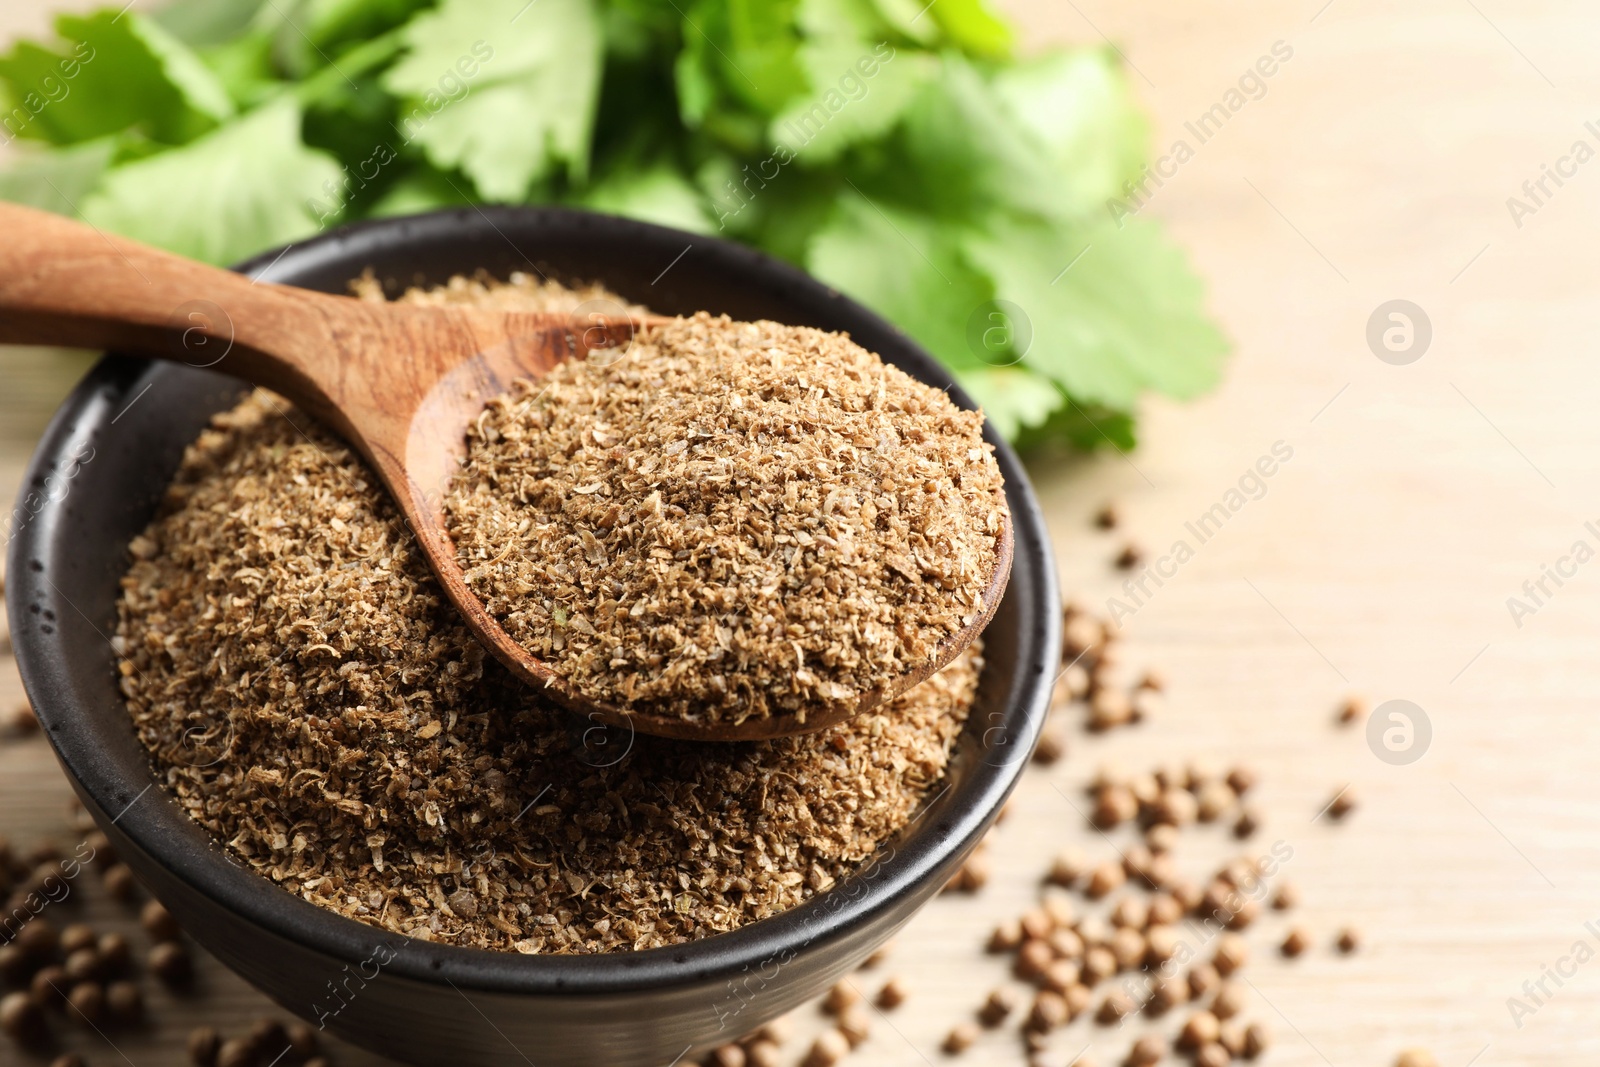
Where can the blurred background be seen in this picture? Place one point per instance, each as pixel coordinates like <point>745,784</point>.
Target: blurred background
<point>1408,299</point>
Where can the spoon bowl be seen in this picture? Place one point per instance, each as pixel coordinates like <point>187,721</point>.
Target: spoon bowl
<point>400,383</point>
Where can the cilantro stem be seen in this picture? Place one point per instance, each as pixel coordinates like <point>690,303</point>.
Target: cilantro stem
<point>354,63</point>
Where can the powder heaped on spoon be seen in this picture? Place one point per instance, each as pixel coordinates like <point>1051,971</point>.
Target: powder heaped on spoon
<point>729,521</point>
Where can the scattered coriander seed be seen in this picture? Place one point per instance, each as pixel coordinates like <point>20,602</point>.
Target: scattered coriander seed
<point>1231,1037</point>
<point>843,995</point>
<point>882,952</point>
<point>120,882</point>
<point>1295,942</point>
<point>1146,1050</point>
<point>1130,556</point>
<point>1006,937</point>
<point>125,1001</point>
<point>1078,635</point>
<point>1342,804</point>
<point>49,986</point>
<point>960,1038</point>
<point>1353,708</point>
<point>1243,914</point>
<point>1128,946</point>
<point>1287,896</point>
<point>302,1038</point>
<point>855,1025</point>
<point>1203,978</point>
<point>268,1034</point>
<point>1000,1003</point>
<point>1061,912</point>
<point>1067,943</point>
<point>1199,1030</point>
<point>1136,861</point>
<point>1078,998</point>
<point>728,1056</point>
<point>1130,912</point>
<point>88,1003</point>
<point>1165,910</point>
<point>1032,959</point>
<point>1067,867</point>
<point>1037,924</point>
<point>23,720</point>
<point>1052,743</point>
<point>158,922</point>
<point>238,1052</point>
<point>778,1031</point>
<point>1098,964</point>
<point>1213,801</point>
<point>83,965</point>
<point>763,1053</point>
<point>892,994</point>
<point>115,953</point>
<point>38,939</point>
<point>16,964</point>
<point>1061,976</point>
<point>1109,709</point>
<point>1349,940</point>
<point>1153,679</point>
<point>203,1044</point>
<point>1416,1057</point>
<point>1186,893</point>
<point>1114,806</point>
<point>1246,825</point>
<point>1229,1000</point>
<point>1114,1008</point>
<point>1108,516</point>
<point>77,936</point>
<point>1212,1055</point>
<point>21,1018</point>
<point>1048,1012</point>
<point>1106,877</point>
<point>1161,944</point>
<point>1177,807</point>
<point>1161,838</point>
<point>170,962</point>
<point>1257,1039</point>
<point>1232,954</point>
<point>1166,993</point>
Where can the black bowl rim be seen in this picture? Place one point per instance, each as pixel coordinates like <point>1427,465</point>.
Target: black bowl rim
<point>154,827</point>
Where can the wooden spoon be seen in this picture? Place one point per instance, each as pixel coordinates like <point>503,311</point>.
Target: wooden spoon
<point>399,382</point>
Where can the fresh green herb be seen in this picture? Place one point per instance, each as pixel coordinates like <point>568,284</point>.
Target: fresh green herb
<point>896,150</point>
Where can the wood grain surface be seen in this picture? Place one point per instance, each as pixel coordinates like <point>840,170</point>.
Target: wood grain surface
<point>1378,559</point>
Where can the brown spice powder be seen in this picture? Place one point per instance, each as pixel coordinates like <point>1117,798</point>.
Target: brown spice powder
<point>730,520</point>
<point>314,703</point>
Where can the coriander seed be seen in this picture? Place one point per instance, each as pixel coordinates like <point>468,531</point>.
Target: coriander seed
<point>960,1038</point>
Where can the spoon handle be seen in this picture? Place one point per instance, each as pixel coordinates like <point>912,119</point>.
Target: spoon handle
<point>67,283</point>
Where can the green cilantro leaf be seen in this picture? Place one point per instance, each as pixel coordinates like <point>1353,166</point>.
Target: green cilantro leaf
<point>110,73</point>
<point>248,186</point>
<point>1114,311</point>
<point>859,91</point>
<point>56,181</point>
<point>657,194</point>
<point>503,90</point>
<point>907,268</point>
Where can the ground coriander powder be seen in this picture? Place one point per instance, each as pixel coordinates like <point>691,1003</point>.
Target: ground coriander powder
<point>312,700</point>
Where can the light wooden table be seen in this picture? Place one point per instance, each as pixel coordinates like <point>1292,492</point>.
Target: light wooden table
<point>1376,167</point>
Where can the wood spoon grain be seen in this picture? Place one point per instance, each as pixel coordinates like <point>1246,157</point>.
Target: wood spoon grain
<point>399,382</point>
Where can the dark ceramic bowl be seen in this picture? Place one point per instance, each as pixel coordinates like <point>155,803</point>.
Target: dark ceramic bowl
<point>95,482</point>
